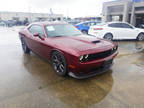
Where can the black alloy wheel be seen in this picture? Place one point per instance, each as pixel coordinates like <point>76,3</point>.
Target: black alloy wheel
<point>59,63</point>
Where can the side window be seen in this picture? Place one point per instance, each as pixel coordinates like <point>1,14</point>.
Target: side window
<point>126,26</point>
<point>32,30</point>
<point>115,25</point>
<point>36,29</point>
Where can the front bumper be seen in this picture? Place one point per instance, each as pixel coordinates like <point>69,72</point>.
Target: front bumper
<point>89,69</point>
<point>99,71</point>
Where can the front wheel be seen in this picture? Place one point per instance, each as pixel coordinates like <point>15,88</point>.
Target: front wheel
<point>108,36</point>
<point>59,63</point>
<point>24,47</point>
<point>140,37</point>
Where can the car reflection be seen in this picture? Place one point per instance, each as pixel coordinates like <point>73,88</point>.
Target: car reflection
<point>131,46</point>
<point>139,46</point>
<point>72,92</point>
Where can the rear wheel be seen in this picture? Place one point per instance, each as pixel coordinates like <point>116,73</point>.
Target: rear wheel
<point>140,37</point>
<point>59,63</point>
<point>108,36</point>
<point>24,47</point>
<point>84,32</point>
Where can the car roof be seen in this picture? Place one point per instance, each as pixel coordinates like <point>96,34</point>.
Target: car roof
<point>87,22</point>
<point>116,22</point>
<point>49,23</point>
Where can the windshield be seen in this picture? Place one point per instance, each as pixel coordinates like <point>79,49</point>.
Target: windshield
<point>62,30</point>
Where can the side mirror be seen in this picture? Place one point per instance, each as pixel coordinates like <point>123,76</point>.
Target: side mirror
<point>36,34</point>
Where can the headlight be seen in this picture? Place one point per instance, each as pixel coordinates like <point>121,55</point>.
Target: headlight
<point>83,58</point>
<point>86,56</point>
<point>115,47</point>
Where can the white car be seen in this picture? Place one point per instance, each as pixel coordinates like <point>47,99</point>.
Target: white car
<point>116,31</point>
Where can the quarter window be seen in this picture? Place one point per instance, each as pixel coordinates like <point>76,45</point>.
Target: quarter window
<point>120,25</point>
<point>126,26</point>
<point>36,29</point>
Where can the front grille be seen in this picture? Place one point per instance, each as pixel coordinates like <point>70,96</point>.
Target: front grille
<point>101,55</point>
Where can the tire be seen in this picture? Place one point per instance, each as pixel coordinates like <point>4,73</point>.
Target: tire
<point>140,37</point>
<point>108,36</point>
<point>24,47</point>
<point>84,32</point>
<point>59,63</point>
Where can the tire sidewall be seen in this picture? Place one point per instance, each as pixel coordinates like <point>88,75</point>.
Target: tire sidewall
<point>65,63</point>
<point>24,46</point>
<point>108,35</point>
<point>140,35</point>
<point>84,32</point>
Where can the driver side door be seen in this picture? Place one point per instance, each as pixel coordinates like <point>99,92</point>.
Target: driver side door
<point>129,32</point>
<point>37,42</point>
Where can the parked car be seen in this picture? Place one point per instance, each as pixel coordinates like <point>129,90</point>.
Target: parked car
<point>84,26</point>
<point>117,31</point>
<point>140,26</point>
<point>10,23</point>
<point>73,22</point>
<point>2,23</point>
<point>69,51</point>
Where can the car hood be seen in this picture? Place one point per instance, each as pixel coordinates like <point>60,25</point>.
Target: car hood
<point>83,43</point>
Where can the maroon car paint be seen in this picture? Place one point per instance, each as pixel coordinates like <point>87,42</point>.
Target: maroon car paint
<point>72,47</point>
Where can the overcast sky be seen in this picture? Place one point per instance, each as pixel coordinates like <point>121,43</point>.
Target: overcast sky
<point>72,8</point>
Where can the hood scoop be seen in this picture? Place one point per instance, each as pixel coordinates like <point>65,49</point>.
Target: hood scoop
<point>97,41</point>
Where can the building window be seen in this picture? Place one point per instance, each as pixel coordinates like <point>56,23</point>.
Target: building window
<point>138,1</point>
<point>139,8</point>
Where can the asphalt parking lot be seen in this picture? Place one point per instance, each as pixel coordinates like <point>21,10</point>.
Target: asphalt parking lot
<point>27,81</point>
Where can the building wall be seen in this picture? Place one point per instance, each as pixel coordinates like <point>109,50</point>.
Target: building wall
<point>116,8</point>
<point>89,18</point>
<point>30,16</point>
<point>127,10</point>
<point>137,8</point>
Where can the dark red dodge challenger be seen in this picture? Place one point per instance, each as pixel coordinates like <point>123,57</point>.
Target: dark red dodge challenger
<point>69,51</point>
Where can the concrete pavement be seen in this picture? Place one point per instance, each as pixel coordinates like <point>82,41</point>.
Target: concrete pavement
<point>27,81</point>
